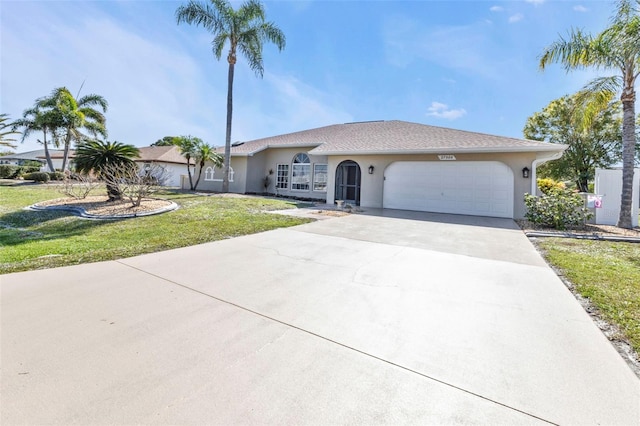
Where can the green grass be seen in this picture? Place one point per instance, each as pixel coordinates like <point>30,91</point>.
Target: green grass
<point>608,273</point>
<point>45,239</point>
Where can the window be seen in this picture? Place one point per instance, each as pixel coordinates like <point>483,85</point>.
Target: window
<point>208,173</point>
<point>301,173</point>
<point>320,177</point>
<point>282,177</point>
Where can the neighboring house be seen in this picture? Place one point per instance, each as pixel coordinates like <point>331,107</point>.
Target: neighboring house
<point>391,164</point>
<point>169,158</point>
<point>37,155</point>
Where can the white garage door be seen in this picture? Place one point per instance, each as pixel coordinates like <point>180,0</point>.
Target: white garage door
<point>478,188</point>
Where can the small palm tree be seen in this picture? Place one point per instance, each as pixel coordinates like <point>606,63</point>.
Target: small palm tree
<point>6,129</point>
<point>46,121</point>
<point>96,156</point>
<point>187,146</point>
<point>246,30</point>
<point>616,48</point>
<point>205,153</point>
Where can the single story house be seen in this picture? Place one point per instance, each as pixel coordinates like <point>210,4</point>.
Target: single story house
<point>167,157</point>
<point>21,158</point>
<point>391,164</point>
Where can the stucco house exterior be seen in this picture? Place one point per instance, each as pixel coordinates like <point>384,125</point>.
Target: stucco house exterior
<point>38,155</point>
<point>391,164</point>
<point>169,158</point>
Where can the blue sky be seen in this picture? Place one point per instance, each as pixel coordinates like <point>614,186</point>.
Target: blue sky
<point>470,65</point>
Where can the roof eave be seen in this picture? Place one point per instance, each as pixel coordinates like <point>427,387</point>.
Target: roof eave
<point>554,148</point>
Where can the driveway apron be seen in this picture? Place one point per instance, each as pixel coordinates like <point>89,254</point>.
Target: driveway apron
<point>390,317</point>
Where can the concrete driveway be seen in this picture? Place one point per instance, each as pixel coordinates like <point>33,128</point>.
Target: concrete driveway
<point>362,319</point>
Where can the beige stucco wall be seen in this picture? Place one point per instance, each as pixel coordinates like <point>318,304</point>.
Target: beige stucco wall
<point>239,165</point>
<point>251,171</point>
<point>371,190</point>
<point>261,164</point>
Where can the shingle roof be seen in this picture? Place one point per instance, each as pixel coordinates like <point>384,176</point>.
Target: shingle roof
<point>392,137</point>
<point>32,155</point>
<point>165,154</point>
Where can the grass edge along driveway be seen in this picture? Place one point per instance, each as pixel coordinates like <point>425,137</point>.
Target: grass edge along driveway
<point>607,273</point>
<point>46,239</point>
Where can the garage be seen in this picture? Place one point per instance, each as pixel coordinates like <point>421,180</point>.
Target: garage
<point>477,188</point>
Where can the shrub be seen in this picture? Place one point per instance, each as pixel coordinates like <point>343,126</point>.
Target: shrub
<point>79,186</point>
<point>547,186</point>
<point>9,172</point>
<point>56,176</point>
<point>37,177</point>
<point>559,209</point>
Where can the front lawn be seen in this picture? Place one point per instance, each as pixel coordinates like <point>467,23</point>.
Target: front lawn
<point>45,239</point>
<point>608,273</point>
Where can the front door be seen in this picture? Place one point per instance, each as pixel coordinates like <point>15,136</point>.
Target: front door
<point>348,183</point>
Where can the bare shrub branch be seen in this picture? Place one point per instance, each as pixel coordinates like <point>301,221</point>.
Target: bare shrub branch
<point>78,186</point>
<point>133,183</point>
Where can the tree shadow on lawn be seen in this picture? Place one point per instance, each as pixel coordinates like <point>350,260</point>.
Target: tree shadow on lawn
<point>15,226</point>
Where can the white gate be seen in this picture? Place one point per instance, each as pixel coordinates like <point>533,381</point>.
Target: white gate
<point>609,185</point>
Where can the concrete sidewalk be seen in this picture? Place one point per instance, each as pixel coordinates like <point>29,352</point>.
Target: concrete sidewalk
<point>430,319</point>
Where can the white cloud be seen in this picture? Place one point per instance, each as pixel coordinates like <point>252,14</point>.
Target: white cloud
<point>580,8</point>
<point>515,18</point>
<point>496,8</point>
<point>153,86</point>
<point>535,2</point>
<point>440,110</point>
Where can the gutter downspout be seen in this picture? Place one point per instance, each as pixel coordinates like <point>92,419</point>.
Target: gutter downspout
<point>534,165</point>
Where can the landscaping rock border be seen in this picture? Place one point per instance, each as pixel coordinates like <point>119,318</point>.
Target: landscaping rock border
<point>81,212</point>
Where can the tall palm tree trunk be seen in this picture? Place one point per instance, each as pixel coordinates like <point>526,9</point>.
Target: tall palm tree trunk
<point>628,154</point>
<point>227,143</point>
<point>189,172</point>
<point>67,144</point>
<point>47,155</point>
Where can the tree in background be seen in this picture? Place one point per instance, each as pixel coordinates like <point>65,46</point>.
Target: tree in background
<point>246,30</point>
<point>187,146</point>
<point>593,143</point>
<point>205,153</point>
<point>165,141</point>
<point>76,115</point>
<point>98,156</point>
<point>6,129</point>
<point>616,48</point>
<point>46,121</point>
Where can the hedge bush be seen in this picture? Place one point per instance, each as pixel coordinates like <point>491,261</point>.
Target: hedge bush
<point>8,172</point>
<point>57,175</point>
<point>560,209</point>
<point>14,172</point>
<point>37,177</point>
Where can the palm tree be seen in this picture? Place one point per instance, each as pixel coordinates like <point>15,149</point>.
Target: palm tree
<point>97,156</point>
<point>6,130</point>
<point>246,30</point>
<point>204,153</point>
<point>46,121</point>
<point>75,115</point>
<point>615,48</point>
<point>187,146</point>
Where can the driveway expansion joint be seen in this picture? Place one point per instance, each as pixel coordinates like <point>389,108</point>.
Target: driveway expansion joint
<point>343,345</point>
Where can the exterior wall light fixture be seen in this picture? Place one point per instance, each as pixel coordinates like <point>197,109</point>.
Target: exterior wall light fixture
<point>371,169</point>
<point>525,172</point>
